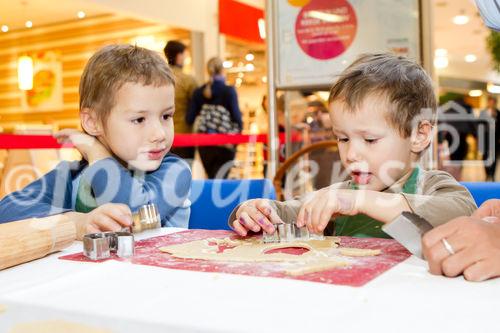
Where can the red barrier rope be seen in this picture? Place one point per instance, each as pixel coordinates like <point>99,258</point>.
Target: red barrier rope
<point>17,141</point>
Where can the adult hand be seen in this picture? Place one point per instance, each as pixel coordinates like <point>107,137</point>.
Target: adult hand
<point>475,244</point>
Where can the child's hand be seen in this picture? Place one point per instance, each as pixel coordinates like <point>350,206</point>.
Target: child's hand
<point>108,217</point>
<point>324,204</point>
<point>91,149</point>
<point>256,215</point>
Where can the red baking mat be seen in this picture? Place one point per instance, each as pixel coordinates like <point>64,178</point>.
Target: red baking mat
<point>361,270</point>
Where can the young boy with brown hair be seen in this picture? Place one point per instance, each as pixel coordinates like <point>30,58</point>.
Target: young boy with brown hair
<point>126,109</point>
<point>383,111</point>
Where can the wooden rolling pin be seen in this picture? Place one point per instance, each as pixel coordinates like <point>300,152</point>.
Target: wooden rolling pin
<point>26,240</point>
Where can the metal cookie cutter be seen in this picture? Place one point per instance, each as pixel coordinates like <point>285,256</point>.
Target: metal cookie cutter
<point>125,245</point>
<point>147,217</point>
<point>96,246</point>
<point>99,246</point>
<point>289,232</point>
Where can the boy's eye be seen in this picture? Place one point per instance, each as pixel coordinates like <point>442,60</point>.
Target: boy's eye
<point>167,116</point>
<point>371,141</point>
<point>342,139</point>
<point>138,120</point>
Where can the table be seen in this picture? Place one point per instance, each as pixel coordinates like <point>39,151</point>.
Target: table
<point>122,298</point>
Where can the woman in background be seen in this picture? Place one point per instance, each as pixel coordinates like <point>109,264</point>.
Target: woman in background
<point>216,104</point>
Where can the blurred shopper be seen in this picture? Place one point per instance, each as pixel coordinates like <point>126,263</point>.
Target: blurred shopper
<point>491,140</point>
<point>455,123</point>
<point>216,105</point>
<point>320,129</point>
<point>185,85</point>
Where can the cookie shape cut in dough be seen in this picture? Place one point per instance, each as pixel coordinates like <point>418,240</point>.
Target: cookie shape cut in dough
<point>321,254</point>
<point>253,250</point>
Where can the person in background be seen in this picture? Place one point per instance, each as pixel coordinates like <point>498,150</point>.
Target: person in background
<point>455,123</point>
<point>490,143</point>
<point>185,85</point>
<point>217,105</point>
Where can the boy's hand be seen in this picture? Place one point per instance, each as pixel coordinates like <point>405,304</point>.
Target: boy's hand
<point>324,204</point>
<point>108,217</point>
<point>91,149</point>
<point>256,215</point>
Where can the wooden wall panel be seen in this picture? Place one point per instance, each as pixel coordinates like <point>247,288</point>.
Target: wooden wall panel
<point>75,41</point>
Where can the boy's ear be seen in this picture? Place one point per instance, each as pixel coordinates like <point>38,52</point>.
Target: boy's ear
<point>90,123</point>
<point>421,136</point>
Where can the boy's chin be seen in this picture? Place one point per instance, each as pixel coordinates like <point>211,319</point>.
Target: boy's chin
<point>145,165</point>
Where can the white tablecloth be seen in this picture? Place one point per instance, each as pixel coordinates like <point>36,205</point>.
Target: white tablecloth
<point>123,298</point>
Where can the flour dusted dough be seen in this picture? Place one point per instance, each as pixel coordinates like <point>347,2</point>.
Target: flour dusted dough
<point>318,258</point>
<point>251,250</point>
<point>55,326</point>
<point>355,252</point>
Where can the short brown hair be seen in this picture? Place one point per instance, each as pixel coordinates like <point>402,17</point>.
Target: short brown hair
<point>404,83</point>
<point>114,65</point>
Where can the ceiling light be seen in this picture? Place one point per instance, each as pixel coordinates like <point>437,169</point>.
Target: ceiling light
<point>264,79</point>
<point>441,52</point>
<point>470,58</point>
<point>441,62</point>
<point>250,67</point>
<point>493,88</point>
<point>461,19</point>
<point>80,14</point>
<point>249,57</point>
<point>475,93</point>
<point>5,28</point>
<point>227,64</point>
<point>240,74</point>
<point>28,24</point>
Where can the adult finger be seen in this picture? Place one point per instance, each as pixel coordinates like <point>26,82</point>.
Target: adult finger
<point>488,208</point>
<point>434,236</point>
<point>480,271</point>
<point>456,264</point>
<point>435,256</point>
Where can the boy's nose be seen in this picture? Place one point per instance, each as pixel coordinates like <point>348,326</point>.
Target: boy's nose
<point>353,154</point>
<point>157,132</point>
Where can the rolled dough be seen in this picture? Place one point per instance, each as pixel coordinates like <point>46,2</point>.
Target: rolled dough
<point>55,326</point>
<point>321,254</point>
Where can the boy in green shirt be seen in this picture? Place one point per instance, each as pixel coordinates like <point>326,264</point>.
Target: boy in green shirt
<point>383,111</point>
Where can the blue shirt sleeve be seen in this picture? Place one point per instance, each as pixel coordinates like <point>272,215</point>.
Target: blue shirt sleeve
<point>48,195</point>
<point>167,187</point>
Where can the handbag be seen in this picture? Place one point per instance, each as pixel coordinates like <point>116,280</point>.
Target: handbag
<point>216,119</point>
